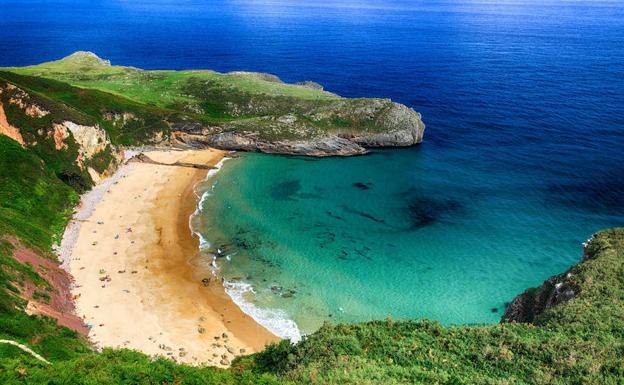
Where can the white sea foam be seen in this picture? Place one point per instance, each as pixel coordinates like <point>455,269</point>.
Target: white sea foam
<point>216,168</point>
<point>203,242</point>
<point>275,320</point>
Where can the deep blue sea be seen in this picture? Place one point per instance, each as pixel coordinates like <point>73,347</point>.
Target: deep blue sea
<point>523,157</point>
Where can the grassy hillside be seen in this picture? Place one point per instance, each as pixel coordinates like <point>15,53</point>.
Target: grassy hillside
<point>163,88</point>
<point>89,106</point>
<point>34,203</point>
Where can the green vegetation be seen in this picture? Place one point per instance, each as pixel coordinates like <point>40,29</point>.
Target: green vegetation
<point>253,103</point>
<point>34,203</point>
<point>580,341</point>
<point>87,107</point>
<point>161,88</point>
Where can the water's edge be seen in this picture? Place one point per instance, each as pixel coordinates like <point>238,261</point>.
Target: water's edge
<point>277,321</point>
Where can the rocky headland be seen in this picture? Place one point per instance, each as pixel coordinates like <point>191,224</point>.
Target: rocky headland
<point>244,111</point>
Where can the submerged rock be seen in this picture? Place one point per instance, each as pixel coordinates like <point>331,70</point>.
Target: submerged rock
<point>362,185</point>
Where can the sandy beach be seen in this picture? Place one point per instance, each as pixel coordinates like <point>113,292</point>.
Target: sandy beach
<point>138,280</point>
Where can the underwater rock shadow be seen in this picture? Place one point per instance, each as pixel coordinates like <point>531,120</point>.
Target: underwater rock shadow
<point>286,191</point>
<point>425,211</point>
<point>363,215</point>
<point>363,185</point>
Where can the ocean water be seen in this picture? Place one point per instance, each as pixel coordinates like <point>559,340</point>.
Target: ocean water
<point>523,157</point>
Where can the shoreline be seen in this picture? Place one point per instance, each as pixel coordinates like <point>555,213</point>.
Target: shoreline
<point>275,320</point>
<point>137,271</point>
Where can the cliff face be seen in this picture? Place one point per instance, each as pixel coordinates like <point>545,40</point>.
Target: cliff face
<point>46,290</point>
<point>78,148</point>
<point>371,123</point>
<point>578,295</point>
<point>325,146</point>
<point>528,306</point>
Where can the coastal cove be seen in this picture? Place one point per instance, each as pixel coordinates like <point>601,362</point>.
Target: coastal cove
<point>399,235</point>
<point>325,192</point>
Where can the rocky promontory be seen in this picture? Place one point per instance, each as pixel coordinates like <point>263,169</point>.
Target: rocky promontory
<point>245,111</point>
<point>379,123</point>
<point>577,287</point>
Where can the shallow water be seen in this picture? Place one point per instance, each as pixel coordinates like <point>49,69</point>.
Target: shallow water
<point>393,234</point>
<point>522,158</point>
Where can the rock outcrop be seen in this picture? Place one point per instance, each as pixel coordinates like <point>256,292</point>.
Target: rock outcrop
<point>372,123</point>
<point>529,305</point>
<point>310,84</point>
<point>8,129</point>
<point>325,146</point>
<point>90,139</point>
<point>37,122</point>
<point>533,302</point>
<point>85,59</point>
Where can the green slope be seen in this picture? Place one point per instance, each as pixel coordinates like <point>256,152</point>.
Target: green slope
<point>34,203</point>
<point>88,106</point>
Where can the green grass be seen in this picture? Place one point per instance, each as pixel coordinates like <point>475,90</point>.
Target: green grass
<point>113,367</point>
<point>34,204</point>
<point>160,87</point>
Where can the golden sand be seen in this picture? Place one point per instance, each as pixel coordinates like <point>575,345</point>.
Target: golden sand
<point>135,265</point>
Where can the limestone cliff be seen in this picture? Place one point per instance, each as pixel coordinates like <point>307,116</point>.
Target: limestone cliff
<point>529,305</point>
<point>80,149</point>
<point>371,123</point>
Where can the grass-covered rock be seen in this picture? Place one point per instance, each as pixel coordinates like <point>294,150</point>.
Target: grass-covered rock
<point>237,110</point>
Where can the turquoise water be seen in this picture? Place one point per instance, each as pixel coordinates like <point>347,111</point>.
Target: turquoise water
<point>414,233</point>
